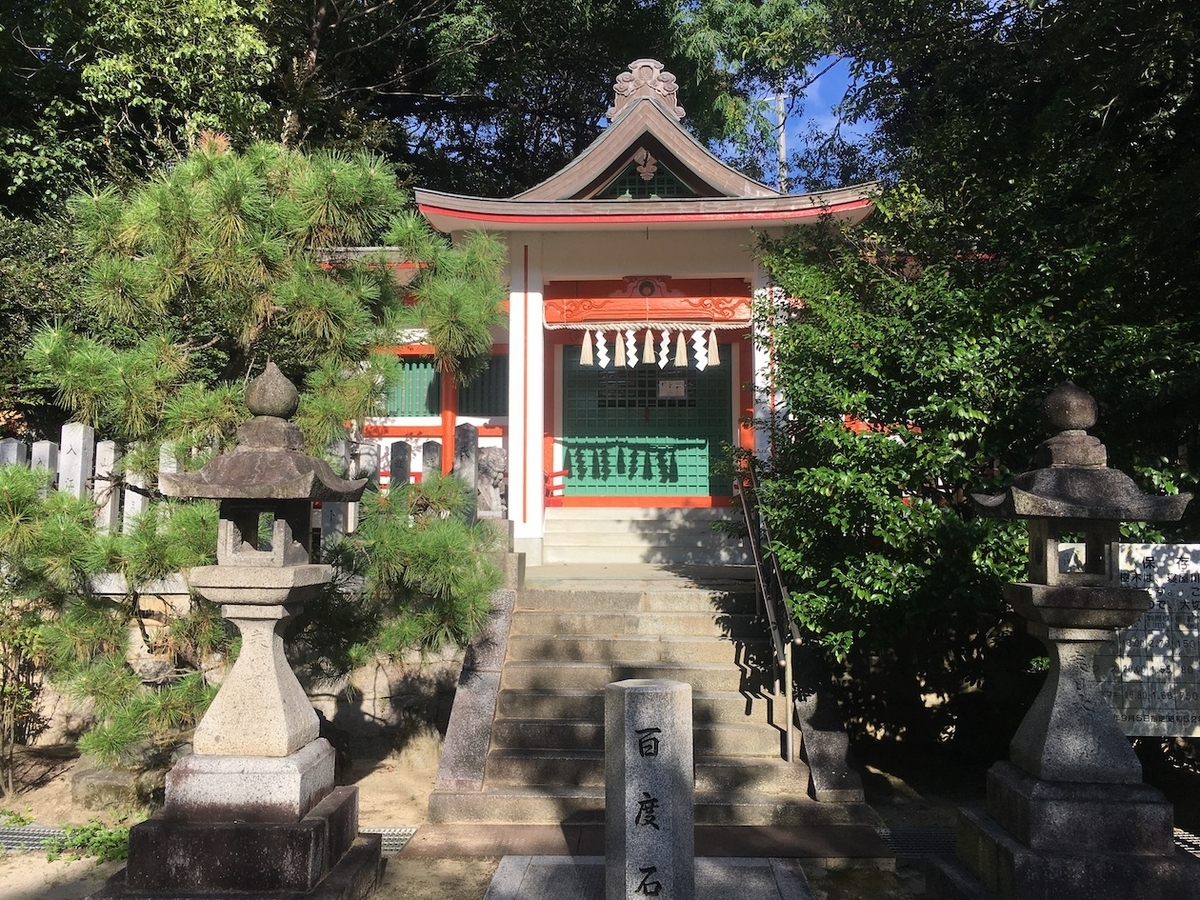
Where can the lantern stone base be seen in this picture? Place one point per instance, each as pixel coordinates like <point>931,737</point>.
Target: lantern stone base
<point>321,857</point>
<point>234,824</point>
<point>1043,840</point>
<point>249,788</point>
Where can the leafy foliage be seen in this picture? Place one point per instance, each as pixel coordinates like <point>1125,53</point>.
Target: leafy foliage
<point>201,273</point>
<point>758,51</point>
<point>106,843</point>
<point>458,292</point>
<point>39,276</point>
<point>1028,232</point>
<point>413,575</point>
<point>118,90</point>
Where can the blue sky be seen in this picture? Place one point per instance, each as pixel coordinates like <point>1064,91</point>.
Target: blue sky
<point>819,105</point>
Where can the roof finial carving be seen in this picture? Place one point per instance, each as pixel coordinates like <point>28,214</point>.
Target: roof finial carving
<point>645,78</point>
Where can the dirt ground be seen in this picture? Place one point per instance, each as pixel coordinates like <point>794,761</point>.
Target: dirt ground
<point>394,785</point>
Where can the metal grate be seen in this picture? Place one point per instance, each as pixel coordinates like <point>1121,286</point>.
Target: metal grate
<point>1185,840</point>
<point>394,839</point>
<point>644,430</point>
<point>28,837</point>
<point>35,837</point>
<point>917,843</point>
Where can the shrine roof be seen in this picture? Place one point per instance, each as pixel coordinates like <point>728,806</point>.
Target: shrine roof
<point>644,169</point>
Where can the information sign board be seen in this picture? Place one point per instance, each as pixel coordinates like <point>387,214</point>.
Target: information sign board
<point>1152,674</point>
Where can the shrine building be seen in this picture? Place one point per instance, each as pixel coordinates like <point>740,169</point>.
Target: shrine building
<point>628,366</point>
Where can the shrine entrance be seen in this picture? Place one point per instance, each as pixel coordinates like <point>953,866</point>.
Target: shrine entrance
<point>644,431</point>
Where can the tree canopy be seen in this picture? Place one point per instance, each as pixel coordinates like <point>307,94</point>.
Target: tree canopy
<point>1037,222</point>
<point>483,96</point>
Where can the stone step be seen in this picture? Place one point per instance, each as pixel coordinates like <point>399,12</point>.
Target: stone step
<point>752,652</point>
<point>534,805</point>
<point>741,776</point>
<point>676,516</point>
<point>636,535</point>
<point>617,624</point>
<point>596,550</point>
<point>757,740</point>
<point>594,676</point>
<point>619,600</point>
<point>708,708</point>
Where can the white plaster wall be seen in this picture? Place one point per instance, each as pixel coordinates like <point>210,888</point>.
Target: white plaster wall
<point>693,254</point>
<point>766,401</point>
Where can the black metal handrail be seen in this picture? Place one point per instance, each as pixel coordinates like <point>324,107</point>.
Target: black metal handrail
<point>772,592</point>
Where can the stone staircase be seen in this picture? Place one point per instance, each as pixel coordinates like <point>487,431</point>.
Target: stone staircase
<point>539,757</point>
<point>632,535</point>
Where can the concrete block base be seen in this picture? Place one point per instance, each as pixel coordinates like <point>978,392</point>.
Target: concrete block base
<point>991,865</point>
<point>320,856</point>
<point>1067,817</point>
<point>204,788</point>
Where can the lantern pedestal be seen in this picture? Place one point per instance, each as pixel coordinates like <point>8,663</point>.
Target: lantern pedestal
<point>254,808</point>
<point>1069,817</point>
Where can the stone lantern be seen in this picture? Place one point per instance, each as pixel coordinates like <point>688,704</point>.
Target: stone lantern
<point>254,808</point>
<point>1068,817</point>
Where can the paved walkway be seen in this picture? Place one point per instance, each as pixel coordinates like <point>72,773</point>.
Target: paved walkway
<point>582,878</point>
<point>857,845</point>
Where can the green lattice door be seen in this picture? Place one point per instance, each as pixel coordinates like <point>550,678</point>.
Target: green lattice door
<point>644,430</point>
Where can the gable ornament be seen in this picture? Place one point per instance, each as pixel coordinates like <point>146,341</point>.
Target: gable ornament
<point>645,78</point>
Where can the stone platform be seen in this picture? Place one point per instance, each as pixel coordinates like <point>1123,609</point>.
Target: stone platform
<point>1048,840</point>
<point>320,856</point>
<point>582,878</point>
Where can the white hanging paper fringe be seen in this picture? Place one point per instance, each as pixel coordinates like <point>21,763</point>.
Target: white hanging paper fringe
<point>714,354</point>
<point>630,348</point>
<point>601,350</point>
<point>585,355</point>
<point>700,350</point>
<point>664,349</point>
<point>680,351</point>
<point>648,348</point>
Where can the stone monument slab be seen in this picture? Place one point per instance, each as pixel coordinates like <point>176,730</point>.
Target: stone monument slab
<point>649,790</point>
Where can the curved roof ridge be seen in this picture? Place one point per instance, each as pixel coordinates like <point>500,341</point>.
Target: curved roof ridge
<point>641,117</point>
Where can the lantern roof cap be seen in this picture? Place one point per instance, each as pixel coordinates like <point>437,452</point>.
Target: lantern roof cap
<point>269,462</point>
<point>1073,480</point>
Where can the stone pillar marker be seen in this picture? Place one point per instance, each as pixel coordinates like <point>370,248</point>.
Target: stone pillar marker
<point>649,838</point>
<point>431,459</point>
<point>105,489</point>
<point>12,452</point>
<point>466,466</point>
<point>401,464</point>
<point>76,459</point>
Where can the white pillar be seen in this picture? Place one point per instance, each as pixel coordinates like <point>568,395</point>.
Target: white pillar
<point>526,396</point>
